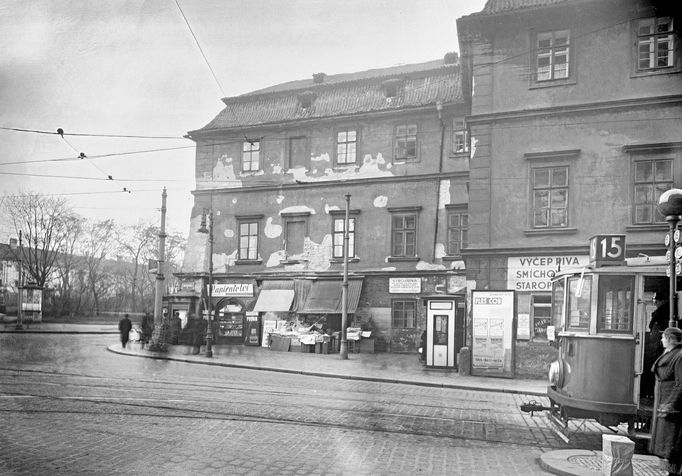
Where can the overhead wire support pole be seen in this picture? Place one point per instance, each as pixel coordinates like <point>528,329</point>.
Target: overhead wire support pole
<point>160,322</point>
<point>343,349</point>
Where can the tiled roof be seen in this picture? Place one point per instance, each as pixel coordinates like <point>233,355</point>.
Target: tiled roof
<point>338,95</point>
<point>500,6</point>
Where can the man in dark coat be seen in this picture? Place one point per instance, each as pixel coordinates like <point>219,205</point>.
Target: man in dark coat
<point>667,437</point>
<point>147,328</point>
<point>661,316</point>
<point>124,326</point>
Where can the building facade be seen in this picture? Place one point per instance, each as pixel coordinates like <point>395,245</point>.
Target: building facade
<point>283,171</point>
<point>575,122</point>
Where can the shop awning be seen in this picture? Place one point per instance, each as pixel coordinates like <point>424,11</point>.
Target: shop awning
<point>274,300</point>
<point>325,297</point>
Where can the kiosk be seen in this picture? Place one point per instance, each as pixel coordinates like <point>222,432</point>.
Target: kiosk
<point>444,330</point>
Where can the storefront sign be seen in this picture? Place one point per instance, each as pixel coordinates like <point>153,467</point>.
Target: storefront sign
<point>535,273</point>
<point>404,285</point>
<point>233,289</point>
<point>492,352</point>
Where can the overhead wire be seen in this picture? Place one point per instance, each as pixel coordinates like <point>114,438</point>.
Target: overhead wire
<point>74,134</point>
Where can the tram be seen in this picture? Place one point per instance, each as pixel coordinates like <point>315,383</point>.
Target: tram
<point>600,319</point>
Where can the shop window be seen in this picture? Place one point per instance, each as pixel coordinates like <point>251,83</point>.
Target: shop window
<point>615,303</point>
<point>550,197</point>
<point>251,156</point>
<point>541,308</point>
<point>552,55</point>
<point>406,146</point>
<point>651,178</point>
<point>403,314</point>
<point>579,300</point>
<point>655,44</point>
<point>346,146</point>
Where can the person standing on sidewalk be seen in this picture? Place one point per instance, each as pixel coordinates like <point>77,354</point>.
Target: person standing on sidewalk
<point>124,326</point>
<point>668,398</point>
<point>147,328</point>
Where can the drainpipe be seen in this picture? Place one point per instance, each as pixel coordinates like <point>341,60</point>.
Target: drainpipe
<point>439,108</point>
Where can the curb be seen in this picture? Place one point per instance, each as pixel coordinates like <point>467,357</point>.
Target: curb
<point>55,332</point>
<point>161,356</point>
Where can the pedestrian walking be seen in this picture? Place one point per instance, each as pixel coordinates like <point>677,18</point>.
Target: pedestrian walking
<point>668,402</point>
<point>124,326</point>
<point>147,328</point>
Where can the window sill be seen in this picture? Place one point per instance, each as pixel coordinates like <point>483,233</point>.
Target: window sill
<point>405,160</point>
<point>649,227</point>
<point>458,155</point>
<point>550,231</point>
<point>408,259</point>
<point>293,261</point>
<point>655,72</point>
<point>248,261</point>
<point>452,258</point>
<point>550,83</point>
<point>340,260</point>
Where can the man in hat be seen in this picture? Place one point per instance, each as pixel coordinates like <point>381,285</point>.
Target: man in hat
<point>661,316</point>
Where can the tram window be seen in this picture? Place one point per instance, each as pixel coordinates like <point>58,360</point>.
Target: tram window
<point>615,303</point>
<point>557,302</point>
<point>579,292</point>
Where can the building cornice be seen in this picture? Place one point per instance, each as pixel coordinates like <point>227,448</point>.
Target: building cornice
<point>334,183</point>
<point>602,106</point>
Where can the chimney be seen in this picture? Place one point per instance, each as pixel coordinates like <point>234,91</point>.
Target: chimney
<point>451,57</point>
<point>318,78</point>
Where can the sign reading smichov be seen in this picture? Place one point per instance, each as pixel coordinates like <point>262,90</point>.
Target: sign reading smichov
<point>535,273</point>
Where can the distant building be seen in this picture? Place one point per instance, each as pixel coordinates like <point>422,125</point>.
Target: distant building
<point>274,167</point>
<point>575,122</point>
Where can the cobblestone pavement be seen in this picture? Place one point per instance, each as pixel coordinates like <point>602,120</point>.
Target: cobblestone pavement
<point>69,408</point>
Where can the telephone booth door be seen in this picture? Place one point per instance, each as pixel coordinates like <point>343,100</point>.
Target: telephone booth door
<point>440,333</point>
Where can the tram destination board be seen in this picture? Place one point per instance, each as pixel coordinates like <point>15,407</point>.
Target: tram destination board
<point>607,250</point>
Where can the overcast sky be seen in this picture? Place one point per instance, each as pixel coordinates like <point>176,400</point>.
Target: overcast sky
<point>115,67</point>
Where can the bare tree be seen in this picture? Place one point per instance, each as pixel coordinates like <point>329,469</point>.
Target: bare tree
<point>137,244</point>
<point>41,219</point>
<point>68,265</point>
<point>98,242</point>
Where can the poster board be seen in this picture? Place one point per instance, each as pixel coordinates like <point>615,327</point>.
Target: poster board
<point>493,333</point>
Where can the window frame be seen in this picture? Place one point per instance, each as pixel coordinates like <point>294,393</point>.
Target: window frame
<point>460,135</point>
<point>404,319</point>
<point>656,217</point>
<point>340,215</point>
<point>550,188</point>
<point>674,52</point>
<point>249,237</point>
<point>462,211</point>
<point>288,219</point>
<point>356,142</point>
<point>406,137</point>
<point>404,213</point>
<point>306,151</point>
<point>248,219</point>
<point>571,64</point>
<point>250,153</point>
<point>601,304</point>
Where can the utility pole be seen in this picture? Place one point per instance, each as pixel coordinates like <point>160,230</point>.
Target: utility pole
<point>160,322</point>
<point>343,350</point>
<point>209,230</point>
<point>20,299</point>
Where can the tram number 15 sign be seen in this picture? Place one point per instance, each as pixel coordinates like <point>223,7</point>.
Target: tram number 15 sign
<point>607,250</point>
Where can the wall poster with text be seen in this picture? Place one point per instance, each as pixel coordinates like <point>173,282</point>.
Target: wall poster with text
<point>493,333</point>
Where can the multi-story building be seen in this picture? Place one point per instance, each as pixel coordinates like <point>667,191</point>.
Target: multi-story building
<point>274,170</point>
<point>576,130</point>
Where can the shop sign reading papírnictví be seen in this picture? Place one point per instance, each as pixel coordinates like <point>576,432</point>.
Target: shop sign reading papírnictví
<point>232,289</point>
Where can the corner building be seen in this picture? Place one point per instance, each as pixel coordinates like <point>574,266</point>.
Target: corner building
<point>275,166</point>
<point>575,121</point>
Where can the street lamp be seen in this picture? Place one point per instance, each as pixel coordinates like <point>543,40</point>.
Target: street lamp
<point>20,286</point>
<point>670,205</point>
<point>209,230</point>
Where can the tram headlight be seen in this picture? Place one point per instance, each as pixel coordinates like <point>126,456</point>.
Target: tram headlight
<point>557,373</point>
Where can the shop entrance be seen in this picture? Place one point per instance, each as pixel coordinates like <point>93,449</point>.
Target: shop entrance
<point>441,332</point>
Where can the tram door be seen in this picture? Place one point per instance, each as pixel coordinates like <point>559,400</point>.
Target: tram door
<point>440,333</point>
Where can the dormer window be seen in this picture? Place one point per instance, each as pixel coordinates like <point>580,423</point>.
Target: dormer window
<point>306,99</point>
<point>391,87</point>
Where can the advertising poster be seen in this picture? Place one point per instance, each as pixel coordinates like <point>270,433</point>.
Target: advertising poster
<point>494,324</point>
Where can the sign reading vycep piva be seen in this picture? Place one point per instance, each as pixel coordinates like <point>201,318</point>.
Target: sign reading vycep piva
<point>535,273</point>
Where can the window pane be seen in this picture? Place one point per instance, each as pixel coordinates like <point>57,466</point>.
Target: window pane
<point>579,297</point>
<point>644,171</point>
<point>664,170</point>
<point>645,27</point>
<point>540,178</point>
<point>559,198</point>
<point>615,303</point>
<point>540,218</point>
<point>410,222</point>
<point>541,198</point>
<point>559,218</point>
<point>560,176</point>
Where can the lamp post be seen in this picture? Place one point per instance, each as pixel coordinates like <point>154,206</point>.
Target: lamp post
<point>209,230</point>
<point>670,205</point>
<point>20,287</point>
<point>343,348</point>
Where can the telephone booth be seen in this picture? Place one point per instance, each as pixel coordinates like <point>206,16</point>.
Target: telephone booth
<point>444,330</point>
